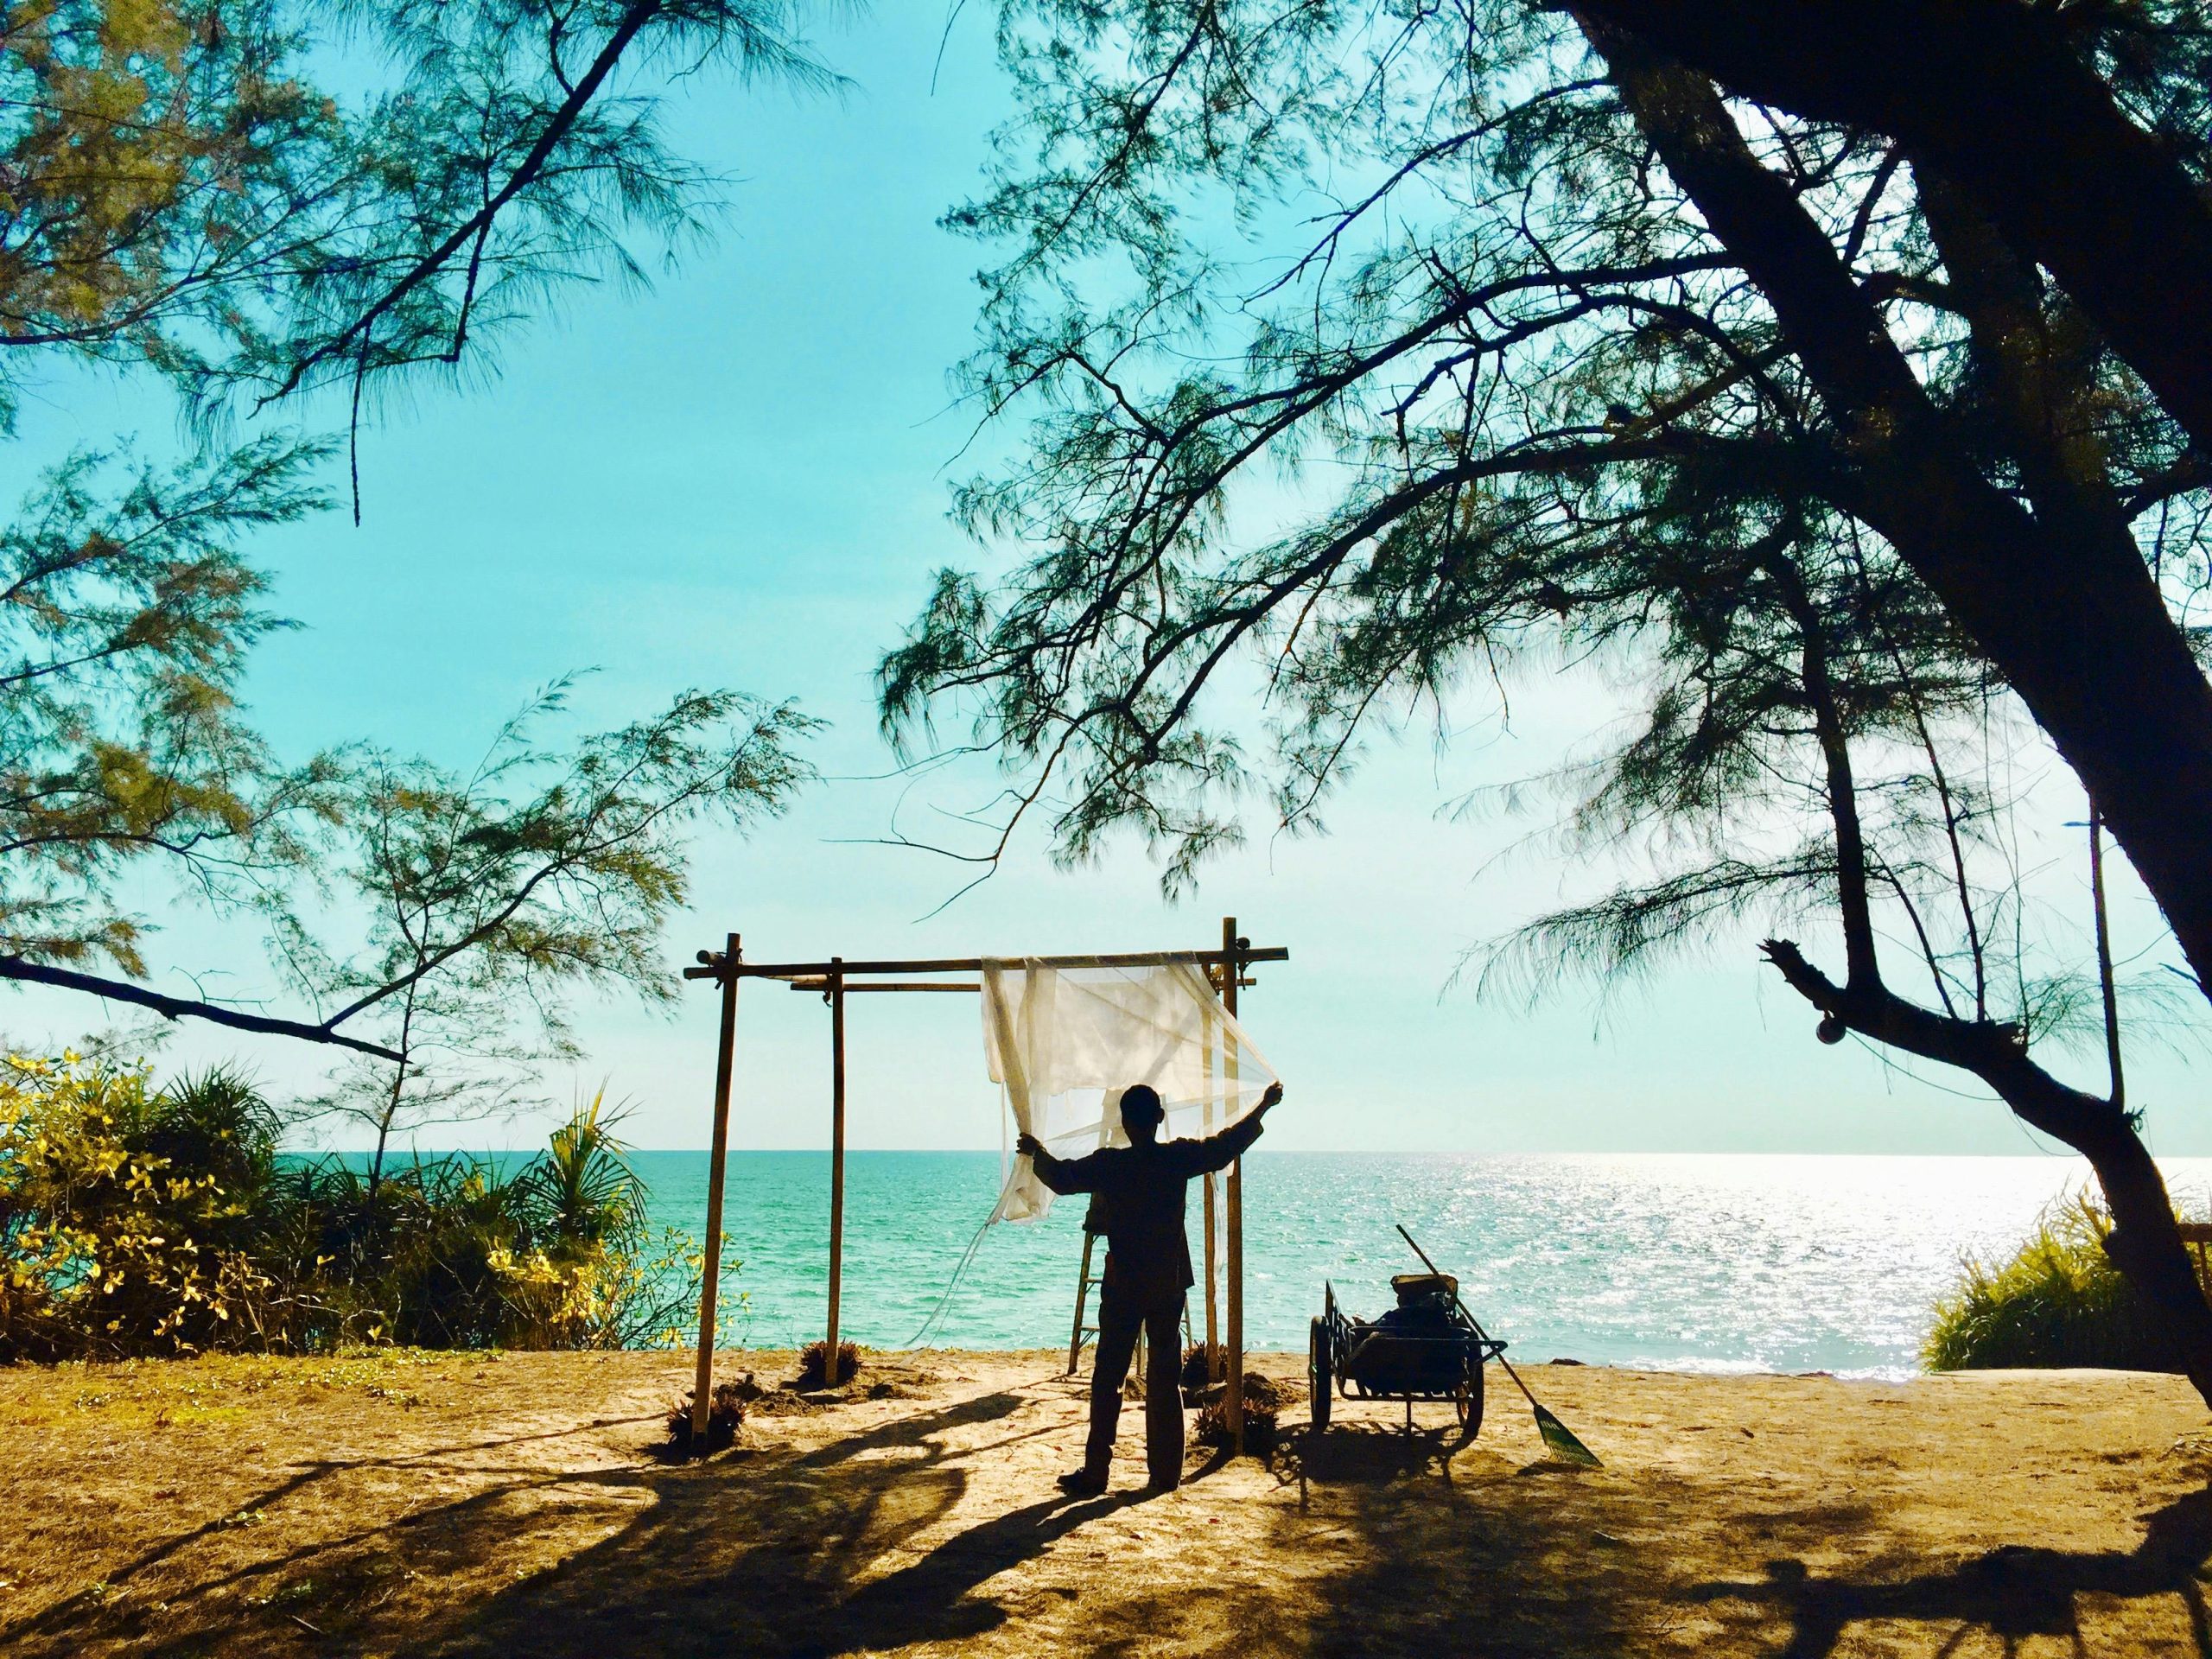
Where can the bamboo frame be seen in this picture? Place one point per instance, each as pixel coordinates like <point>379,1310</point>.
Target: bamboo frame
<point>835,997</point>
<point>822,985</point>
<point>711,1271</point>
<point>1232,970</point>
<point>831,979</point>
<point>1245,956</point>
<point>1212,1206</point>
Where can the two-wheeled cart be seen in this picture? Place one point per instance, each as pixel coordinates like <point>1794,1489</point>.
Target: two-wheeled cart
<point>1427,1347</point>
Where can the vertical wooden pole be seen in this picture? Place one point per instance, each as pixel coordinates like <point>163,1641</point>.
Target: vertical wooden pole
<point>1231,971</point>
<point>702,1383</point>
<point>1213,1222</point>
<point>836,1163</point>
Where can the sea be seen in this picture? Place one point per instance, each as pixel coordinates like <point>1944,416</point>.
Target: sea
<point>1678,1261</point>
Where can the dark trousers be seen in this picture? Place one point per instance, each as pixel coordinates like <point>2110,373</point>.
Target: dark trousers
<point>1119,1319</point>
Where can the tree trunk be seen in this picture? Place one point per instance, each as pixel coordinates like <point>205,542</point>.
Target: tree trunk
<point>2145,1246</point>
<point>383,1132</point>
<point>2074,625</point>
<point>391,1115</point>
<point>1997,96</point>
<point>2146,1243</point>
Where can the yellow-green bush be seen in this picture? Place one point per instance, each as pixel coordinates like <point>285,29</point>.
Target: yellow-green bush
<point>134,1220</point>
<point>127,1216</point>
<point>454,1252</point>
<point>2059,1301</point>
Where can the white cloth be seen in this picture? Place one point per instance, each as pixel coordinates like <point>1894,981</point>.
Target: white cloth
<point>1066,1041</point>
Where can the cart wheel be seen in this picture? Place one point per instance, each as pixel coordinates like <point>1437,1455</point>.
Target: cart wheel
<point>1317,1380</point>
<point>1467,1402</point>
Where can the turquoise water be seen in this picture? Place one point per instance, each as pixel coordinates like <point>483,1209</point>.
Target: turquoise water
<point>1732,1262</point>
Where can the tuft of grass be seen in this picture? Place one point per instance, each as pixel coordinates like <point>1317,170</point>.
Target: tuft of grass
<point>1264,1399</point>
<point>813,1365</point>
<point>1195,1377</point>
<point>2059,1301</point>
<point>725,1415</point>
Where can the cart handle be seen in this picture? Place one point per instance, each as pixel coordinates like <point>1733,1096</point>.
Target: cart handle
<point>1471,1320</point>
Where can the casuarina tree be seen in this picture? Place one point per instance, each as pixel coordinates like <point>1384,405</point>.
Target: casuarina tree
<point>1365,350</point>
<point>277,211</point>
<point>475,903</point>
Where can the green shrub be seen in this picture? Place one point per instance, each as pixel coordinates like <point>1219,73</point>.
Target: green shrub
<point>2059,1302</point>
<point>128,1217</point>
<point>450,1253</point>
<point>136,1221</point>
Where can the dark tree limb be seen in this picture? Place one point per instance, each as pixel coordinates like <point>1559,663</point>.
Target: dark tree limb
<point>357,334</point>
<point>2074,622</point>
<point>183,1008</point>
<point>2144,1242</point>
<point>1851,861</point>
<point>1999,97</point>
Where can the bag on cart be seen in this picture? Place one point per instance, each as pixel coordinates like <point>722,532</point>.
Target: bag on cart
<point>1416,1347</point>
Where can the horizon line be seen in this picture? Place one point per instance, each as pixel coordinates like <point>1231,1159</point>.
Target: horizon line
<point>2064,1154</point>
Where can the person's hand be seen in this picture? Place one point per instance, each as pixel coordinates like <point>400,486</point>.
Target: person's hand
<point>1273,1097</point>
<point>1027,1145</point>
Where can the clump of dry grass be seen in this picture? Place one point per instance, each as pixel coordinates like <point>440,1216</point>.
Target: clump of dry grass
<point>813,1365</point>
<point>1194,1368</point>
<point>1264,1399</point>
<point>725,1415</point>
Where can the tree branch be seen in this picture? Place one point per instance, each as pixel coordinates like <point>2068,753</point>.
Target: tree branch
<point>179,1007</point>
<point>634,18</point>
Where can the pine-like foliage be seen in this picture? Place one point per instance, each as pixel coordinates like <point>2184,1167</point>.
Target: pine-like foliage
<point>1371,364</point>
<point>1365,364</point>
<point>248,200</point>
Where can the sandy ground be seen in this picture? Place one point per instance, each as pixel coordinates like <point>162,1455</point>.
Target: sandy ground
<point>410,1503</point>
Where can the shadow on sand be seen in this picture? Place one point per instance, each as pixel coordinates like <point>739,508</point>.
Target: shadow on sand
<point>2013,1592</point>
<point>1371,1542</point>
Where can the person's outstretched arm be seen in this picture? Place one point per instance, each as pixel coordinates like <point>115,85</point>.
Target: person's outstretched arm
<point>1062,1175</point>
<point>1219,1150</point>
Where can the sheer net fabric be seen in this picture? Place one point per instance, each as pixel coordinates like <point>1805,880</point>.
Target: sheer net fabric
<point>1063,1042</point>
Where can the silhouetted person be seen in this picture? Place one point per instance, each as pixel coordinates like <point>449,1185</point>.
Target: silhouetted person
<point>1147,1270</point>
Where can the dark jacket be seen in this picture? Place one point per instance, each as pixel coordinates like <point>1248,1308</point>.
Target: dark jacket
<point>1147,1257</point>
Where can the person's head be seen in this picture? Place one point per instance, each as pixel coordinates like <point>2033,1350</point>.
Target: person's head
<point>1141,1111</point>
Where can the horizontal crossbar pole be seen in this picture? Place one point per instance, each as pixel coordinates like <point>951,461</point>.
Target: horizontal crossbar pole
<point>820,985</point>
<point>975,964</point>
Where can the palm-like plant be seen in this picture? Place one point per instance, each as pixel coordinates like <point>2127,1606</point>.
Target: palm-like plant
<point>581,1195</point>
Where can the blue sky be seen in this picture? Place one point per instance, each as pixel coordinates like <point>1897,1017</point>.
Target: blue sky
<point>740,478</point>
